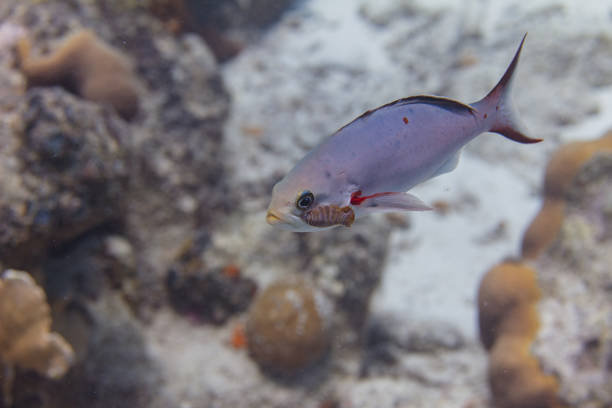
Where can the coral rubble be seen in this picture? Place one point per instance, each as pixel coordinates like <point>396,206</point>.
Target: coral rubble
<point>209,295</point>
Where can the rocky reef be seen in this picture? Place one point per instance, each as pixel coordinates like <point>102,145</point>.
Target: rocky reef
<point>139,142</point>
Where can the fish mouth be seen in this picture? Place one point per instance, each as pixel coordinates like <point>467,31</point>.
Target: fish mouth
<point>273,218</point>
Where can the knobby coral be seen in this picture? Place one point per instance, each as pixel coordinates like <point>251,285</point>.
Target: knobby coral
<point>287,327</point>
<point>25,322</point>
<point>509,297</point>
<point>560,173</point>
<point>86,66</point>
<point>508,322</point>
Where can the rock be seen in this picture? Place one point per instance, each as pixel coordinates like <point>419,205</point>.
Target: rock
<point>226,26</point>
<point>64,171</point>
<point>287,327</point>
<point>81,270</point>
<point>204,294</point>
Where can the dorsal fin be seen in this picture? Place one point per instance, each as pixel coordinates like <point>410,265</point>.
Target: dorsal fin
<point>448,104</point>
<point>439,101</point>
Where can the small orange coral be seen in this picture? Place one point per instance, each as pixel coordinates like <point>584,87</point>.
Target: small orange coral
<point>515,376</point>
<point>508,293</point>
<point>505,289</point>
<point>286,329</point>
<point>239,339</point>
<point>544,228</point>
<point>86,66</point>
<point>231,271</point>
<point>25,322</point>
<point>25,337</point>
<point>560,174</point>
<point>508,321</point>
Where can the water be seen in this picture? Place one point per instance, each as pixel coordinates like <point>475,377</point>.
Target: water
<point>153,253</point>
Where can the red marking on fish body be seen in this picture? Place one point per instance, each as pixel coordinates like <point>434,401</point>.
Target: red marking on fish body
<point>405,119</point>
<point>357,199</point>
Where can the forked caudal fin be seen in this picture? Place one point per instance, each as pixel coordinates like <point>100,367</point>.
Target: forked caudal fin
<point>499,102</point>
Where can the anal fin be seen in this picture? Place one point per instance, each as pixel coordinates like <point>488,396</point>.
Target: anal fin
<point>448,165</point>
<point>383,202</point>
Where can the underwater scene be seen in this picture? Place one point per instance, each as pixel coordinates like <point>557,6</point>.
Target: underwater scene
<point>305,203</point>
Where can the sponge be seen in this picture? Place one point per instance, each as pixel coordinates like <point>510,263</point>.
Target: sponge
<point>87,67</point>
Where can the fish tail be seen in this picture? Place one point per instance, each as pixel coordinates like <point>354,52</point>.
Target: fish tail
<point>499,103</point>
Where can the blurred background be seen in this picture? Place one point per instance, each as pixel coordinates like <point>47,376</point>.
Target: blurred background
<point>139,143</point>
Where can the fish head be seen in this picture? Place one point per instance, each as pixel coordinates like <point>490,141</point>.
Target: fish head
<point>294,197</point>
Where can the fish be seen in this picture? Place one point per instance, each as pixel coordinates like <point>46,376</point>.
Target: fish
<point>370,164</point>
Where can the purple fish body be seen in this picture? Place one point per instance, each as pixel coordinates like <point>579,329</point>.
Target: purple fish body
<point>369,164</point>
<point>397,146</point>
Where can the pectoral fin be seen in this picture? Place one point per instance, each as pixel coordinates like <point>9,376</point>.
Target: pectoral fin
<point>382,202</point>
<point>449,165</point>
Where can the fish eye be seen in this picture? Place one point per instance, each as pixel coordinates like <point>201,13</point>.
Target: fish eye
<point>304,200</point>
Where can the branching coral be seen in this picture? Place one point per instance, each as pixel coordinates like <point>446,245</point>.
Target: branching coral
<point>86,66</point>
<point>25,323</point>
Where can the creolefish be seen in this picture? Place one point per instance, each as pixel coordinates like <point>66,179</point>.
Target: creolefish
<point>369,164</point>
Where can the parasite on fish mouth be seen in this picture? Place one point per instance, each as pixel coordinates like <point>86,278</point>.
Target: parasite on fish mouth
<point>329,215</point>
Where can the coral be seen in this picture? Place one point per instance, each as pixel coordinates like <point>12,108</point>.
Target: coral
<point>515,376</point>
<point>287,328</point>
<point>505,296</point>
<point>25,322</point>
<point>547,317</point>
<point>508,321</point>
<point>560,174</point>
<point>238,339</point>
<point>544,228</point>
<point>88,67</point>
<point>574,274</point>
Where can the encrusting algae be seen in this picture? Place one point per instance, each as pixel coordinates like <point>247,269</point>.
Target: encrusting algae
<point>86,66</point>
